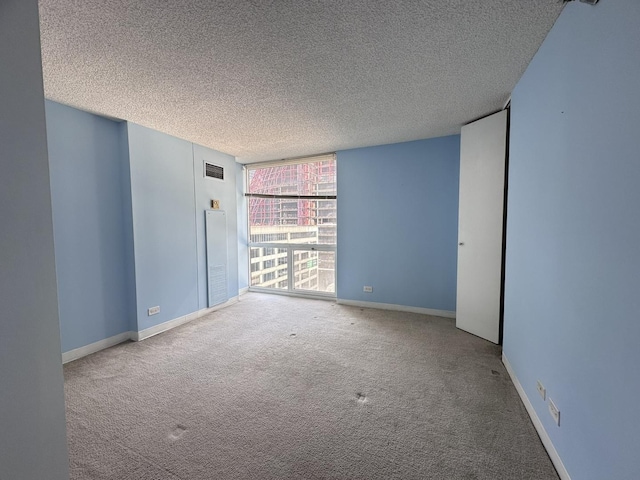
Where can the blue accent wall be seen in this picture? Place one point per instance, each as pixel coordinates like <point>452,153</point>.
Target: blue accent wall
<point>573,236</point>
<point>169,197</point>
<point>128,212</point>
<point>398,223</point>
<point>88,199</point>
<point>164,225</point>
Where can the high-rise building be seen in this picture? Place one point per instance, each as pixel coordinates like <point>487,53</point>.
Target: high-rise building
<point>293,218</point>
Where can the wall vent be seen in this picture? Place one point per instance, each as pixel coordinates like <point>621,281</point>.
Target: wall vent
<point>216,243</point>
<point>213,171</point>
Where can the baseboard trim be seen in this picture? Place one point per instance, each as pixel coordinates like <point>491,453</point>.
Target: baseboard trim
<point>176,322</point>
<point>542,433</point>
<point>242,291</point>
<point>399,308</point>
<point>77,353</point>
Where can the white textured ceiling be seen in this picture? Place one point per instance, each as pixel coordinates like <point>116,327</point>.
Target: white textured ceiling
<point>270,79</point>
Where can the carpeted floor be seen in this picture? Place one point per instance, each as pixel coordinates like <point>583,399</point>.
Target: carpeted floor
<point>277,387</point>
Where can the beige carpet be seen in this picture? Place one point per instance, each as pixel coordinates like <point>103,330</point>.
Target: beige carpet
<point>285,388</point>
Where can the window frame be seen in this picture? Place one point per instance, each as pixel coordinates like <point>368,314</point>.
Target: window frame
<point>291,248</point>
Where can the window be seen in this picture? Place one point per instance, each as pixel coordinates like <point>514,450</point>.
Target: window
<point>269,276</point>
<point>269,263</point>
<point>264,271</point>
<point>293,206</point>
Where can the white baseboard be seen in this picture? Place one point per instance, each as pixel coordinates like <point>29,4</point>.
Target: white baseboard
<point>77,353</point>
<point>242,291</point>
<point>399,308</point>
<point>542,433</point>
<point>176,322</point>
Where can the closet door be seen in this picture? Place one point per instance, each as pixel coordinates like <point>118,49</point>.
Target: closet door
<point>480,225</point>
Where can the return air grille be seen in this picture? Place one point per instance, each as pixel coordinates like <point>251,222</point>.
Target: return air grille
<point>213,171</point>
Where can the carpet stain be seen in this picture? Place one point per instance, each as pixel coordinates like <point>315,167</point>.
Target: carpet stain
<point>177,432</point>
<point>495,372</point>
<point>362,398</point>
<point>292,335</point>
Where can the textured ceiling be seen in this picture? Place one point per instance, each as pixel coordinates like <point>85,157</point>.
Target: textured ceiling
<point>270,79</point>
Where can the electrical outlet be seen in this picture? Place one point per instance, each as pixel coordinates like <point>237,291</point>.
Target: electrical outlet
<point>154,310</point>
<point>555,413</point>
<point>367,289</point>
<point>541,390</point>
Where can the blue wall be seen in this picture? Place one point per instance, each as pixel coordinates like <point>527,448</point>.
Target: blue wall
<point>128,213</point>
<point>169,197</point>
<point>33,430</point>
<point>164,225</point>
<point>573,236</point>
<point>127,225</point>
<point>88,201</point>
<point>398,223</point>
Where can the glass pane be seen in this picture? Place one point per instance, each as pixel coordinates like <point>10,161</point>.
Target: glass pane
<point>274,220</point>
<point>268,267</point>
<point>306,178</point>
<point>314,271</point>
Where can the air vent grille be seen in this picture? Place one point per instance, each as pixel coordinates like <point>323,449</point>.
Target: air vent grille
<point>213,171</point>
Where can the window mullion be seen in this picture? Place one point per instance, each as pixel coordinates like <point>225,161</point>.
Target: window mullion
<point>290,283</point>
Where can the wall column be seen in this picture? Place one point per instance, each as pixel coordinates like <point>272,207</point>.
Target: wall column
<point>33,434</point>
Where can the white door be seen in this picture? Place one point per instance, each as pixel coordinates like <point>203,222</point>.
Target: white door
<point>480,221</point>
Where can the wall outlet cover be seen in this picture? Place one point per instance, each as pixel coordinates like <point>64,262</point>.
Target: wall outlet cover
<point>154,310</point>
<point>367,289</point>
<point>554,411</point>
<point>541,390</point>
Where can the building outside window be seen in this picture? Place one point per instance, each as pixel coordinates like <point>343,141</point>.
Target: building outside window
<point>292,225</point>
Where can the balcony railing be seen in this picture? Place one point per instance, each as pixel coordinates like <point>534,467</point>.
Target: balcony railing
<point>307,269</point>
